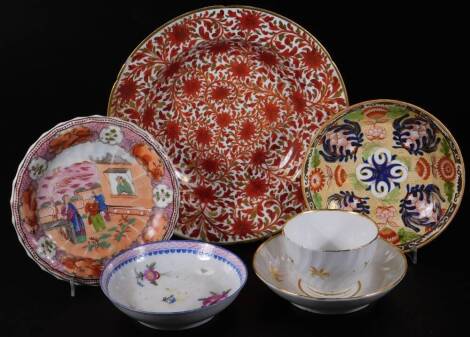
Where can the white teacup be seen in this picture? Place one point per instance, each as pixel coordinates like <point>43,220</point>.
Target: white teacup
<point>330,248</point>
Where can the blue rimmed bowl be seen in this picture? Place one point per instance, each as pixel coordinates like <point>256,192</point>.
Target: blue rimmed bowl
<point>173,285</point>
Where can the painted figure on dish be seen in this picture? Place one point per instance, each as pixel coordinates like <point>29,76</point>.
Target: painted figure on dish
<point>102,205</point>
<point>94,216</point>
<point>78,233</point>
<point>123,187</point>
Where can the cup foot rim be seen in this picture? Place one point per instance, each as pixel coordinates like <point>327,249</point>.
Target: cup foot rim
<point>329,312</point>
<point>181,327</point>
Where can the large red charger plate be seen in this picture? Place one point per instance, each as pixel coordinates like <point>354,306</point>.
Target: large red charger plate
<point>234,95</point>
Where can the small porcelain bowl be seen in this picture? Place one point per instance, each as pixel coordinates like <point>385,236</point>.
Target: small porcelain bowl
<point>173,285</point>
<point>330,248</point>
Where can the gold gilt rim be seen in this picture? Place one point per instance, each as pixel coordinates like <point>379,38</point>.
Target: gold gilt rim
<point>266,11</point>
<point>382,290</point>
<point>333,210</point>
<point>443,129</point>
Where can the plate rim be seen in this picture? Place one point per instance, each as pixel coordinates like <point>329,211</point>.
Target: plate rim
<point>15,198</point>
<point>247,7</point>
<point>436,120</point>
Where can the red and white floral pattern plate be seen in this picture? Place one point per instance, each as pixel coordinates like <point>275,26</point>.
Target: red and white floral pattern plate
<point>234,95</point>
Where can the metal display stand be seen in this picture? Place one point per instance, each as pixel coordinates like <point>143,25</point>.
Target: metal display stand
<point>72,288</point>
<point>413,254</point>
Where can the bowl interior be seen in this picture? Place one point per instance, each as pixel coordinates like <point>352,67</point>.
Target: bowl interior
<point>387,268</point>
<point>173,276</point>
<point>330,230</point>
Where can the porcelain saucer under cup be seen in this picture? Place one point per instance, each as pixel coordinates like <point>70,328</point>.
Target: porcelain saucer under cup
<point>330,248</point>
<point>385,271</point>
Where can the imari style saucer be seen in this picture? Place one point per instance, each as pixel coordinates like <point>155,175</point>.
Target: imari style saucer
<point>387,268</point>
<point>392,161</point>
<point>88,189</point>
<point>173,284</point>
<point>233,94</point>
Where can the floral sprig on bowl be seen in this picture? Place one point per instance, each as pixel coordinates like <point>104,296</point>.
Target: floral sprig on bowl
<point>46,248</point>
<point>111,135</point>
<point>214,298</point>
<point>150,274</point>
<point>162,195</point>
<point>169,299</point>
<point>37,168</point>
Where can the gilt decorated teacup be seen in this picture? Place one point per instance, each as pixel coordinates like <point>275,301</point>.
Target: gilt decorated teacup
<point>329,249</point>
